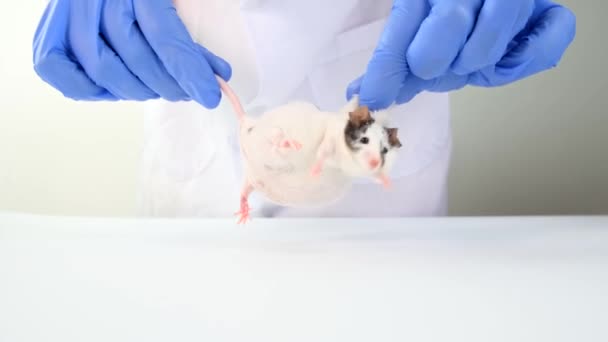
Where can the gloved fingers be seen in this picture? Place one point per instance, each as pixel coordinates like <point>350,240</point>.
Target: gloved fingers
<point>185,60</point>
<point>388,67</point>
<point>56,69</point>
<point>51,61</point>
<point>122,33</point>
<point>441,37</point>
<point>537,50</point>
<point>412,86</point>
<point>445,83</point>
<point>498,23</point>
<point>107,70</point>
<point>380,85</point>
<point>402,25</point>
<point>218,64</point>
<point>547,42</point>
<point>101,63</point>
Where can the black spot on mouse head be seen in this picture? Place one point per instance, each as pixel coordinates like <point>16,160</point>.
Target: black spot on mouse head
<point>358,123</point>
<point>393,139</point>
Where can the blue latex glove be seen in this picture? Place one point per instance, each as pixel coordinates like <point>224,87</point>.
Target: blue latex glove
<point>124,50</point>
<point>443,45</point>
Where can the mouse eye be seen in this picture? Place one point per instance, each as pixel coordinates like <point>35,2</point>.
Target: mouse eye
<point>385,150</point>
<point>364,140</point>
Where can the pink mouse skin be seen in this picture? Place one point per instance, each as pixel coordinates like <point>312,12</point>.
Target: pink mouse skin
<point>299,156</point>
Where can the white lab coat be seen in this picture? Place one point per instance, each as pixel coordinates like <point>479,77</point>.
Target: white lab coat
<point>282,50</point>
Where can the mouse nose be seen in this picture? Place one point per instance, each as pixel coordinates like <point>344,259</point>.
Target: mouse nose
<point>373,163</point>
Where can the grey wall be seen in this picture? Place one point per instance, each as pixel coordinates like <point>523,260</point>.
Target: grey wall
<point>539,146</point>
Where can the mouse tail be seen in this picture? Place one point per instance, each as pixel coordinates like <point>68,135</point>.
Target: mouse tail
<point>234,100</point>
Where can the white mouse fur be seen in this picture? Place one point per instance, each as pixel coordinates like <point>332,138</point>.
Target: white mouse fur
<point>297,155</point>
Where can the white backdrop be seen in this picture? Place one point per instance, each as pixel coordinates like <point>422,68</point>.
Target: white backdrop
<point>537,147</point>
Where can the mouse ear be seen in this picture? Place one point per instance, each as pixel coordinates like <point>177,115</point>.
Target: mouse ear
<point>360,116</point>
<point>393,140</point>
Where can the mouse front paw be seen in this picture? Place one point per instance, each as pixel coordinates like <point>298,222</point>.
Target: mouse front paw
<point>316,169</point>
<point>384,181</point>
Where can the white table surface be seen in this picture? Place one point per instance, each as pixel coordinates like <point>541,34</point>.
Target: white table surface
<point>455,279</point>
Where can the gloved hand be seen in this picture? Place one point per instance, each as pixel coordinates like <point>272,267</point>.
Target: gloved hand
<point>124,50</point>
<point>443,45</point>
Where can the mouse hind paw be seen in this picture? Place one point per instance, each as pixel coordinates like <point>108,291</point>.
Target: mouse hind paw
<point>244,212</point>
<point>243,215</point>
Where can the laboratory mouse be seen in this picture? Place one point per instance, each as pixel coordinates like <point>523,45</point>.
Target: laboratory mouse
<point>299,156</point>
